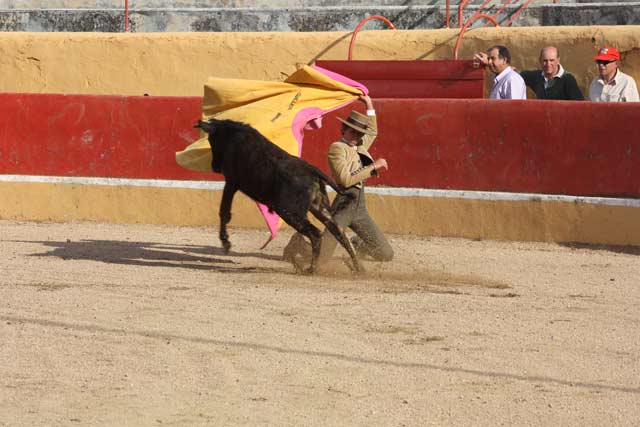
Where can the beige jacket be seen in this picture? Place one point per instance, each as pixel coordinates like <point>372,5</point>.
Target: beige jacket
<point>345,163</point>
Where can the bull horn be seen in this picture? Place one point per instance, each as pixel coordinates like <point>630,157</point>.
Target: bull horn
<point>205,126</point>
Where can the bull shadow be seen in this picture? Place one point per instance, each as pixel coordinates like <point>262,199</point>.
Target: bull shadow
<point>152,254</point>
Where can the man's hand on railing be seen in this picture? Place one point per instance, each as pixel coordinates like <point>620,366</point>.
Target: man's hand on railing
<point>481,58</point>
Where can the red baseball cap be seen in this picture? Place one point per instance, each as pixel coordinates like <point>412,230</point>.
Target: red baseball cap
<point>607,53</point>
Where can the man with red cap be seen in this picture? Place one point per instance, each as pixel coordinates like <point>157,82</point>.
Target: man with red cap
<point>612,85</point>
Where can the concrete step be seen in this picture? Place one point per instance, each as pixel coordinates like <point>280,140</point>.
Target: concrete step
<point>106,17</point>
<point>262,4</point>
<point>228,4</point>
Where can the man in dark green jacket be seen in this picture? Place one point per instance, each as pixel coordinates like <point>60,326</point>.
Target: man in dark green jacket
<point>552,82</point>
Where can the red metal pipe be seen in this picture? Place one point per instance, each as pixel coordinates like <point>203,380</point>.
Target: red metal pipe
<point>515,15</point>
<point>479,11</point>
<point>482,6</point>
<point>495,15</point>
<point>466,25</point>
<point>447,15</point>
<point>126,16</point>
<point>364,21</point>
<point>461,6</point>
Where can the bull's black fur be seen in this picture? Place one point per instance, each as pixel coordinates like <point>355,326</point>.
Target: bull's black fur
<point>266,173</point>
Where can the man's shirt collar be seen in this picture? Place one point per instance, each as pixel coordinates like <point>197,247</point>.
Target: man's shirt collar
<point>502,74</point>
<point>612,81</point>
<point>558,75</point>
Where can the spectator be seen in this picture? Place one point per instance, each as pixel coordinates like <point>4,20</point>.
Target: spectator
<point>507,84</point>
<point>351,164</point>
<point>613,85</point>
<point>552,82</point>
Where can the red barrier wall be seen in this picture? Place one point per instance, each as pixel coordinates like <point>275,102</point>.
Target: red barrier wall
<point>552,147</point>
<point>89,135</point>
<point>413,79</point>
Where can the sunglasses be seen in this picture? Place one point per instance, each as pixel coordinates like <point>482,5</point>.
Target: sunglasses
<point>601,62</point>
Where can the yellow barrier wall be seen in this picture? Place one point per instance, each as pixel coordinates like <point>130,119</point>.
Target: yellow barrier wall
<point>527,220</point>
<point>177,64</point>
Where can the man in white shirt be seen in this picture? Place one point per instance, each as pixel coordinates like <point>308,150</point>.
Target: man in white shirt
<point>612,85</point>
<point>507,84</point>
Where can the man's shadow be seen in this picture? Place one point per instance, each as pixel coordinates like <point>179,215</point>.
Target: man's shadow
<point>152,254</point>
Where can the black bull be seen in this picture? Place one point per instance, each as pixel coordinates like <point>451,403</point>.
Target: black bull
<point>267,174</point>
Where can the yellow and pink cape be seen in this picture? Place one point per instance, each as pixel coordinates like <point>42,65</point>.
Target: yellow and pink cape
<point>279,110</point>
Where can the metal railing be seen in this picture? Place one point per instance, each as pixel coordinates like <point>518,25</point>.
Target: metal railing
<point>464,3</point>
<point>466,25</point>
<point>479,15</point>
<point>126,16</point>
<point>364,21</point>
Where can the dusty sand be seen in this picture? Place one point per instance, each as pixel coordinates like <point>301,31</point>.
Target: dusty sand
<point>147,325</point>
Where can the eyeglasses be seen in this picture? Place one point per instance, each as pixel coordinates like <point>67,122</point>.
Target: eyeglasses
<point>601,62</point>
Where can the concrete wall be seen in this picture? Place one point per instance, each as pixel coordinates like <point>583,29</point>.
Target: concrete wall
<point>289,15</point>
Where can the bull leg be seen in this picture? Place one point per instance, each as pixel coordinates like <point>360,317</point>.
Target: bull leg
<point>314,236</point>
<point>225,215</point>
<point>340,237</point>
<point>323,214</point>
<point>304,227</point>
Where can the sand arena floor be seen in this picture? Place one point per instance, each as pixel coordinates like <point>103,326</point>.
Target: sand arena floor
<point>106,324</point>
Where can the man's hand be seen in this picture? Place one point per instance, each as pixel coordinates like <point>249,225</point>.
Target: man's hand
<point>380,163</point>
<point>481,58</point>
<point>367,101</point>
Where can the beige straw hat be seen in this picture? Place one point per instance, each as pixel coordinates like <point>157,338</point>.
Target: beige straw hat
<point>359,122</point>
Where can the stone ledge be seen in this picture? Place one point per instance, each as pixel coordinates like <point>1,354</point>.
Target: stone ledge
<point>308,19</point>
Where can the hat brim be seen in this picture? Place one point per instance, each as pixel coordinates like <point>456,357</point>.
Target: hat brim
<point>605,58</point>
<point>358,128</point>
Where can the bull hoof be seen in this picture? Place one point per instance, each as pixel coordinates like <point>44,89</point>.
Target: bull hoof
<point>355,267</point>
<point>296,261</point>
<point>226,247</point>
<point>310,270</point>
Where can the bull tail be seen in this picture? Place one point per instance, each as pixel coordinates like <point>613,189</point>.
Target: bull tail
<point>328,181</point>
